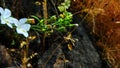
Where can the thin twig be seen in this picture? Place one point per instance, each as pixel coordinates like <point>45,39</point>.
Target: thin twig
<point>54,7</point>
<point>93,19</point>
<point>53,52</point>
<point>45,13</point>
<point>4,4</point>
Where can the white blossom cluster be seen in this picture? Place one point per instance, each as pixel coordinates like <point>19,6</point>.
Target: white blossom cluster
<point>22,27</point>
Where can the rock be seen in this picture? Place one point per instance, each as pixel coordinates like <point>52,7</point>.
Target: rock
<point>83,55</point>
<point>5,58</point>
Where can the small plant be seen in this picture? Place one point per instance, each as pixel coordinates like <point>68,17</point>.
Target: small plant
<point>22,26</point>
<point>60,23</point>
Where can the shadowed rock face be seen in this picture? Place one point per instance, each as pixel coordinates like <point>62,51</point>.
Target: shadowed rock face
<point>5,59</point>
<point>83,55</point>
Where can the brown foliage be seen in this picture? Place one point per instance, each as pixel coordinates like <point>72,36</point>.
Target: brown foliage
<point>107,26</point>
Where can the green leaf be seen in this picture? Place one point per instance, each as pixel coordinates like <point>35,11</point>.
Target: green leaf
<point>71,25</point>
<point>13,42</point>
<point>62,29</point>
<point>35,17</point>
<point>61,8</point>
<point>44,30</point>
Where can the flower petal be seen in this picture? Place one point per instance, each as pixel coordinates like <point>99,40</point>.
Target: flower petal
<point>1,10</point>
<point>7,13</point>
<point>25,27</point>
<point>23,20</point>
<point>2,20</point>
<point>25,34</point>
<point>13,21</point>
<point>22,31</point>
<point>6,21</point>
<point>10,25</point>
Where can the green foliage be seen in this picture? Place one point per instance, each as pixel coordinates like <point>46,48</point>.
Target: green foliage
<point>64,6</point>
<point>64,21</point>
<point>60,23</point>
<point>53,23</point>
<point>41,26</point>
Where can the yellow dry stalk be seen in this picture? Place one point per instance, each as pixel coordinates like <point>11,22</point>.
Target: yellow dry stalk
<point>70,41</point>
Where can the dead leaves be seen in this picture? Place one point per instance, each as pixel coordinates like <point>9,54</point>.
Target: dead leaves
<point>94,11</point>
<point>70,40</point>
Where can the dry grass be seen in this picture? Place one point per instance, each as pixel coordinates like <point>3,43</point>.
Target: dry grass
<point>104,16</point>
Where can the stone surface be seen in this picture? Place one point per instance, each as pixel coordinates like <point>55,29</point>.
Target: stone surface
<point>83,55</point>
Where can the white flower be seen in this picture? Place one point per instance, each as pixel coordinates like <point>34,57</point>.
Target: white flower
<point>22,27</point>
<point>6,17</point>
<point>76,24</point>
